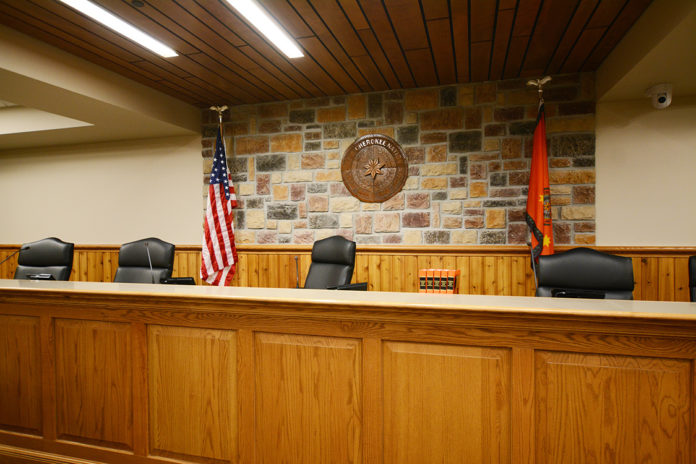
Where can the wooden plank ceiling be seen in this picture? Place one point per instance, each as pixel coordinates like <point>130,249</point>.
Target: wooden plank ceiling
<point>350,46</point>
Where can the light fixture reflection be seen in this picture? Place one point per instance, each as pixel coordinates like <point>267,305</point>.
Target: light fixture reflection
<point>117,24</point>
<point>267,26</point>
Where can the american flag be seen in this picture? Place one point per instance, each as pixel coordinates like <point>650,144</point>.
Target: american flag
<point>219,254</point>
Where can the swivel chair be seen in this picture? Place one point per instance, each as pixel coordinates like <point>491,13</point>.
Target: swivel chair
<point>146,261</point>
<point>333,261</point>
<point>50,258</point>
<point>692,277</point>
<point>585,273</point>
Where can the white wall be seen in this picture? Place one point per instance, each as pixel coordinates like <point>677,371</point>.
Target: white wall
<point>646,173</point>
<point>107,193</point>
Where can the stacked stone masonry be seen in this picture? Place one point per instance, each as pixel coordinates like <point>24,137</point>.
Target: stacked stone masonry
<point>468,147</point>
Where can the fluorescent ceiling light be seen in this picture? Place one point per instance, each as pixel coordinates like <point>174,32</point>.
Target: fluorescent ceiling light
<point>117,24</point>
<point>267,26</point>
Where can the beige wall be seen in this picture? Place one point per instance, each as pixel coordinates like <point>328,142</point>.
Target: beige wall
<point>107,193</point>
<point>646,166</point>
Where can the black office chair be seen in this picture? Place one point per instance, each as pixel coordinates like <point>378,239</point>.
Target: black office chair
<point>585,273</point>
<point>47,259</point>
<point>333,261</point>
<point>692,277</point>
<point>135,266</point>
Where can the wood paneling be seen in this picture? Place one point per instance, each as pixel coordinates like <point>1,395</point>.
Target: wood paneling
<point>192,381</point>
<point>219,376</point>
<point>308,399</point>
<point>20,374</point>
<point>613,408</point>
<point>349,45</point>
<point>434,395</point>
<point>94,382</point>
<point>660,273</point>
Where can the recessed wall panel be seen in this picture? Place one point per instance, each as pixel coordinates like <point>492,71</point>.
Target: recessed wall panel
<point>308,399</point>
<point>20,374</point>
<point>604,408</point>
<point>193,393</point>
<point>446,404</point>
<point>94,387</point>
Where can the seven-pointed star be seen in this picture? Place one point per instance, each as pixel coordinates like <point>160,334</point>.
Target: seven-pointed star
<point>373,168</point>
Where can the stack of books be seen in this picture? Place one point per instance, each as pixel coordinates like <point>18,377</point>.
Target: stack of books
<point>438,280</point>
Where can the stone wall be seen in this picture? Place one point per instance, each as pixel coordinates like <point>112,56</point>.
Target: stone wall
<point>468,148</point>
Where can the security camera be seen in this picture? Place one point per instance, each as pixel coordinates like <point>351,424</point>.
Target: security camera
<point>660,95</point>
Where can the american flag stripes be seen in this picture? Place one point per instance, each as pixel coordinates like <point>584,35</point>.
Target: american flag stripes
<point>219,254</point>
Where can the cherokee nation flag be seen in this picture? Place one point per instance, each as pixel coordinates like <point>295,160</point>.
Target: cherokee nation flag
<point>538,215</point>
<point>219,254</point>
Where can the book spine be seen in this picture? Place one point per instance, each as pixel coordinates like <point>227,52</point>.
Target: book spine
<point>430,281</point>
<point>422,287</point>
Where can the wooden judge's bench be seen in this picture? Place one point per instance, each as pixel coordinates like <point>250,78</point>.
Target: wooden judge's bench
<point>133,373</point>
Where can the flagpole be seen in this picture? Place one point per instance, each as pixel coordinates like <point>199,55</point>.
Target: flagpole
<point>539,84</point>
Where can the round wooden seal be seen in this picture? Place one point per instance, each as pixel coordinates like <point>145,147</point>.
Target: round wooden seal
<point>374,168</point>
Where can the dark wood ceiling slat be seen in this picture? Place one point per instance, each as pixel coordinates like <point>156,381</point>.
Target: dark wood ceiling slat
<point>571,35</point>
<point>368,68</point>
<point>484,13</point>
<point>341,28</point>
<point>435,9</point>
<point>408,22</point>
<point>441,42</point>
<point>334,44</point>
<point>288,18</point>
<point>354,14</point>
<point>460,34</point>
<point>605,13</point>
<point>195,18</point>
<point>385,68</point>
<point>382,28</point>
<point>423,67</point>
<point>480,60</point>
<point>225,96</point>
<point>618,29</point>
<point>201,94</point>
<point>321,78</point>
<point>500,43</point>
<point>523,25</point>
<point>202,66</point>
<point>553,18</point>
<point>318,52</point>
<point>588,39</point>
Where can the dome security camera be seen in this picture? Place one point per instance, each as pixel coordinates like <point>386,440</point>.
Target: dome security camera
<point>660,95</point>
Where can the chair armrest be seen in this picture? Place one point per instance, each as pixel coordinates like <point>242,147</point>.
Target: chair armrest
<point>361,286</point>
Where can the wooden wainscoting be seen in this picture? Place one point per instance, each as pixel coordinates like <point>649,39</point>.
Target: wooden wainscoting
<point>660,272</point>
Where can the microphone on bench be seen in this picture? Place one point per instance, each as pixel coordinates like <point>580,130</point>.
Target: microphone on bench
<point>297,274</point>
<point>26,247</point>
<point>149,260</point>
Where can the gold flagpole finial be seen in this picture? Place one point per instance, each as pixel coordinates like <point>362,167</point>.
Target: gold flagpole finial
<point>220,110</point>
<point>539,84</point>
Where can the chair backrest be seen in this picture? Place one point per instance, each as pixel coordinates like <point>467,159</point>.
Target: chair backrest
<point>692,277</point>
<point>585,273</point>
<point>48,256</point>
<point>333,260</point>
<point>134,265</point>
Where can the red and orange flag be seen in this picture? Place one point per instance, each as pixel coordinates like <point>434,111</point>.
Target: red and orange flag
<point>538,215</point>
